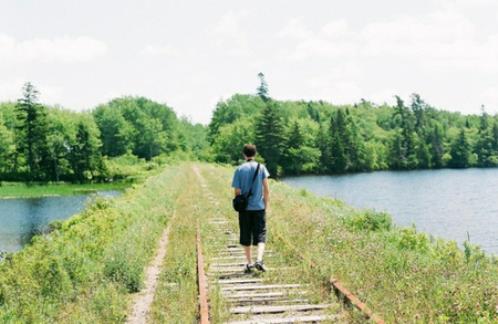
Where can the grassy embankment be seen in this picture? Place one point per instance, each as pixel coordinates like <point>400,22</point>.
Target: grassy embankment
<point>85,270</point>
<point>400,273</point>
<point>176,300</point>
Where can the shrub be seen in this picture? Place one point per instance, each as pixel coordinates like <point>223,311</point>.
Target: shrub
<point>369,221</point>
<point>123,267</point>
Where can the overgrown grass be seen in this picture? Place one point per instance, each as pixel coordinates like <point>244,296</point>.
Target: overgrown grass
<point>400,273</point>
<point>176,299</point>
<point>85,270</point>
<point>291,268</point>
<point>22,190</point>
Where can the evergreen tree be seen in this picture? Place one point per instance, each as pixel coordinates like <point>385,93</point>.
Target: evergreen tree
<point>262,89</point>
<point>313,113</point>
<point>397,152</point>
<point>423,155</point>
<point>296,137</point>
<point>6,148</point>
<point>485,144</point>
<point>437,147</point>
<point>32,132</point>
<point>292,152</point>
<point>354,145</point>
<point>495,137</point>
<point>322,142</point>
<point>270,137</point>
<point>85,153</point>
<point>338,154</point>
<point>460,151</point>
<point>418,108</point>
<point>404,119</point>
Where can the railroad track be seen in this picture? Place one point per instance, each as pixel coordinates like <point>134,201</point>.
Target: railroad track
<point>253,298</point>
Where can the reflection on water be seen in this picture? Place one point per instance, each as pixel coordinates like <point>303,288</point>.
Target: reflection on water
<point>21,219</point>
<point>445,203</point>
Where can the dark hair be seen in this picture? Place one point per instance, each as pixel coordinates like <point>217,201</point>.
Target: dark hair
<point>249,150</point>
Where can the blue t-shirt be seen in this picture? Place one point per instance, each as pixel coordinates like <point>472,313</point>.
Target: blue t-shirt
<point>242,180</point>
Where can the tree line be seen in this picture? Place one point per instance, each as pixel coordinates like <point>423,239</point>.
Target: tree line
<point>300,137</point>
<point>40,143</point>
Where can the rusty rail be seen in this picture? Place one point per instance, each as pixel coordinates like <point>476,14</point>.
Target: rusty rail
<point>347,297</point>
<point>201,282</point>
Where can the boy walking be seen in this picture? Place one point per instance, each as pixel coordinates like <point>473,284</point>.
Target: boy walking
<point>252,221</point>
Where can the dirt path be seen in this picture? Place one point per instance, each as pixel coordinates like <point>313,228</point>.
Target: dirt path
<point>143,300</point>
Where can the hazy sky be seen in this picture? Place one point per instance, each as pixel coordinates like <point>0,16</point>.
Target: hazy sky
<point>190,54</point>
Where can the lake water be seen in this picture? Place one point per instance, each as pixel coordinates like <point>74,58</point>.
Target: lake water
<point>20,218</point>
<point>445,203</point>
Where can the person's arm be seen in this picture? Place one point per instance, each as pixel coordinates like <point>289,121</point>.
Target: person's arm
<point>266,193</point>
<point>236,183</point>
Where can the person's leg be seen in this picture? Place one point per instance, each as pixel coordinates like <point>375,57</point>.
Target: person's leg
<point>260,238</point>
<point>261,252</point>
<point>247,251</point>
<point>245,235</point>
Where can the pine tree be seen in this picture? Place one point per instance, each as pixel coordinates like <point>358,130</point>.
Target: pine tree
<point>495,137</point>
<point>322,142</point>
<point>354,145</point>
<point>485,143</point>
<point>262,89</point>
<point>313,112</point>
<point>397,152</point>
<point>404,119</point>
<point>32,132</point>
<point>339,158</point>
<point>85,153</point>
<point>295,142</point>
<point>6,148</point>
<point>437,147</point>
<point>270,137</point>
<point>423,155</point>
<point>296,137</point>
<point>418,108</point>
<point>460,151</point>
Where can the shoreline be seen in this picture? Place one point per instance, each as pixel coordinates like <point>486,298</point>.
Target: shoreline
<point>24,191</point>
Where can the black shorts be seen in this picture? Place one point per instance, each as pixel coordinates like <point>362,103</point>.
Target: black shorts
<point>252,224</point>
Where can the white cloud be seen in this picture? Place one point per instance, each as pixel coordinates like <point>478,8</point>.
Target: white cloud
<point>490,97</point>
<point>445,39</point>
<point>159,50</point>
<point>229,36</point>
<point>44,50</point>
<point>295,28</point>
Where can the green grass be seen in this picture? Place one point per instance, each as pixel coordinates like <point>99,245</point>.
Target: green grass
<point>176,300</point>
<point>403,275</point>
<point>86,269</point>
<point>22,190</point>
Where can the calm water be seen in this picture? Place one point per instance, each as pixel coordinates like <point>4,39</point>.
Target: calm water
<point>444,203</point>
<point>20,219</point>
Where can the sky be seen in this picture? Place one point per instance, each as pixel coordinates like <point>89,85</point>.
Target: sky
<point>192,54</point>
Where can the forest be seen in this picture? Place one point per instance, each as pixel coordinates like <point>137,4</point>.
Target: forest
<point>41,143</point>
<point>317,137</point>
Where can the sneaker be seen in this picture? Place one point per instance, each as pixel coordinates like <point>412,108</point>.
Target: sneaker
<point>248,268</point>
<point>260,266</point>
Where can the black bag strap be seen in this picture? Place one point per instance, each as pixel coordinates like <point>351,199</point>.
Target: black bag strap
<point>252,183</point>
